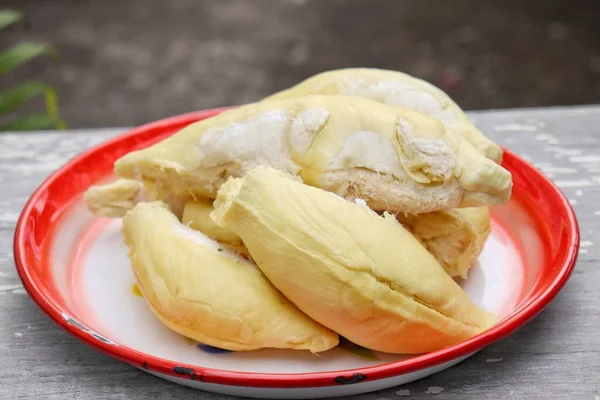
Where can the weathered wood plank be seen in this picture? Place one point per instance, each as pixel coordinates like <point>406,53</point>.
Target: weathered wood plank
<point>557,355</point>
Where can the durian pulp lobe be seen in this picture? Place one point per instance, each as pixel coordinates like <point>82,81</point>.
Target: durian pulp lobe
<point>454,237</point>
<point>396,89</point>
<point>215,297</point>
<point>361,275</point>
<point>200,157</point>
<point>196,215</point>
<point>113,199</point>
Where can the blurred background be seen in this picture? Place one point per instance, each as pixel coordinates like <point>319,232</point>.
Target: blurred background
<point>126,62</point>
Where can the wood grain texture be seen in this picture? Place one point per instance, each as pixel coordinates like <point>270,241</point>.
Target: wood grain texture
<point>557,355</point>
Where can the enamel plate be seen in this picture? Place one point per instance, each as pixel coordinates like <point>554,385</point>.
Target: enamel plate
<point>76,269</point>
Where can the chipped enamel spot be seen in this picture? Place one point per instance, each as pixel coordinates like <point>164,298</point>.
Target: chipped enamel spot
<point>305,127</point>
<point>201,239</point>
<point>430,156</point>
<point>400,94</point>
<point>367,149</point>
<point>259,140</point>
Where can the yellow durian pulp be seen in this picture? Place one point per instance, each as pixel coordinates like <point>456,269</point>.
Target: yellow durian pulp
<point>454,237</point>
<point>201,290</point>
<point>196,215</point>
<point>360,274</point>
<point>396,89</point>
<point>113,199</point>
<point>116,198</point>
<point>395,159</point>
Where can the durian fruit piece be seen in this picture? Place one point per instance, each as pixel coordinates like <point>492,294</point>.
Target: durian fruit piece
<point>454,237</point>
<point>360,274</point>
<point>115,199</point>
<point>396,89</point>
<point>196,215</point>
<point>395,159</point>
<point>202,291</point>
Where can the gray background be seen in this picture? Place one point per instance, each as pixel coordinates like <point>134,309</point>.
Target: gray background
<point>125,62</point>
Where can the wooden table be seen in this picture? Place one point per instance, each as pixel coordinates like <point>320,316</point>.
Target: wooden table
<point>557,355</point>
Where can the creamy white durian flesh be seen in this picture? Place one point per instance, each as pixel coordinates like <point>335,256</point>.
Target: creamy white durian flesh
<point>396,89</point>
<point>200,290</point>
<point>115,199</point>
<point>360,274</point>
<point>454,237</point>
<point>395,159</point>
<point>196,215</point>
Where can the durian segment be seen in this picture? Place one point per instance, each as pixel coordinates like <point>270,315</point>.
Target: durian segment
<point>202,291</point>
<point>360,274</point>
<point>113,199</point>
<point>455,237</point>
<point>154,191</point>
<point>196,215</point>
<point>395,159</point>
<point>396,89</point>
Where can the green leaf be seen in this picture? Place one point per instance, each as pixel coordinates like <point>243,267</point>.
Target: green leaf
<point>21,53</point>
<point>9,17</point>
<point>14,98</point>
<point>32,123</point>
<point>51,103</point>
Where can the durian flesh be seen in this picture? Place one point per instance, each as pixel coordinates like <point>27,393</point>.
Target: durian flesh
<point>396,89</point>
<point>360,274</point>
<point>114,199</point>
<point>196,215</point>
<point>200,290</point>
<point>454,237</point>
<point>395,159</point>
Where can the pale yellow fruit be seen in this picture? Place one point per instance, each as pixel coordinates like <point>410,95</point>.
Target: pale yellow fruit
<point>202,291</point>
<point>113,199</point>
<point>116,198</point>
<point>396,89</point>
<point>360,274</point>
<point>395,159</point>
<point>455,237</point>
<point>196,215</point>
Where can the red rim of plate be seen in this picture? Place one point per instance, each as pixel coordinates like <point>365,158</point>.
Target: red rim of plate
<point>554,216</point>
